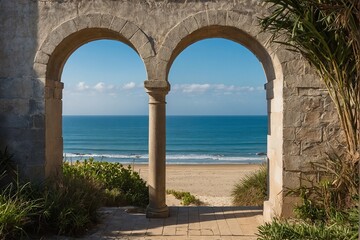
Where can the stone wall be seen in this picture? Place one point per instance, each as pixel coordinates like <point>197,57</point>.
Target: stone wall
<point>21,92</point>
<point>37,37</point>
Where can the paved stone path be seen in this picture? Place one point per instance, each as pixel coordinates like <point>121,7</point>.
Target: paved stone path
<point>184,223</point>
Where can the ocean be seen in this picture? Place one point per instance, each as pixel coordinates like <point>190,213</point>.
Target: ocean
<point>190,139</point>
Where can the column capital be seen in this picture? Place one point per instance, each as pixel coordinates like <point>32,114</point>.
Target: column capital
<point>156,86</point>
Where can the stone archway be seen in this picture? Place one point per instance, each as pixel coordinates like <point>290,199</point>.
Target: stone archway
<point>53,54</point>
<point>238,28</point>
<point>38,36</point>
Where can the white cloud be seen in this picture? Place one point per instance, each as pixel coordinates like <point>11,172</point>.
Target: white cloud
<point>246,89</point>
<point>81,86</point>
<point>111,87</point>
<point>190,88</point>
<point>223,87</point>
<point>129,86</point>
<point>99,87</point>
<point>218,88</point>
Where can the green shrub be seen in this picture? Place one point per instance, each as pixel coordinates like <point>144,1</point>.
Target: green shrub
<point>305,231</point>
<point>122,185</point>
<point>329,209</point>
<point>252,190</point>
<point>17,208</point>
<point>17,211</point>
<point>186,197</point>
<point>70,204</point>
<point>308,210</point>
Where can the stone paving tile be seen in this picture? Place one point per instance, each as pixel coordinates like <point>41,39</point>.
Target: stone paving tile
<point>169,231</point>
<point>208,221</point>
<point>140,226</point>
<point>184,223</point>
<point>222,224</point>
<point>181,232</point>
<point>155,227</point>
<point>194,238</point>
<point>248,229</point>
<point>194,220</point>
<point>233,224</point>
<point>170,222</point>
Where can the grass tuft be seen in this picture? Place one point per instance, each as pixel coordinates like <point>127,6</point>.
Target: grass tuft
<point>186,197</point>
<point>301,230</point>
<point>70,205</point>
<point>67,204</point>
<point>252,190</point>
<point>17,211</point>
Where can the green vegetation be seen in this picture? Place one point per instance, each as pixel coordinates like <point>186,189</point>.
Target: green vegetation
<point>68,204</point>
<point>313,222</point>
<point>300,230</point>
<point>17,210</point>
<point>252,190</point>
<point>186,197</point>
<point>326,211</point>
<point>121,185</point>
<point>327,34</point>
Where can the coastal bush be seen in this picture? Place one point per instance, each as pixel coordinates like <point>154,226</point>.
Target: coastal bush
<point>121,185</point>
<point>17,211</point>
<point>67,204</point>
<point>252,190</point>
<point>186,197</point>
<point>326,34</point>
<point>16,206</point>
<point>70,204</point>
<point>329,208</point>
<point>300,230</point>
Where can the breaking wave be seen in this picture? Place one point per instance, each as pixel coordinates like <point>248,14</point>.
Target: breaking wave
<point>175,158</point>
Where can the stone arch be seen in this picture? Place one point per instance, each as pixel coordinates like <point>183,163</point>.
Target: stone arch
<point>243,29</point>
<point>70,35</point>
<point>238,27</point>
<point>53,54</point>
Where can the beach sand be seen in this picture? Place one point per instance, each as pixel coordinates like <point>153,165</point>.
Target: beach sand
<point>212,184</point>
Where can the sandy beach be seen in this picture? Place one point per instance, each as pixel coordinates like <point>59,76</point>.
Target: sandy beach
<point>212,184</point>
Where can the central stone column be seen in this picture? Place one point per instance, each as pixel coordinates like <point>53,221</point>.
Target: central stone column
<point>157,91</point>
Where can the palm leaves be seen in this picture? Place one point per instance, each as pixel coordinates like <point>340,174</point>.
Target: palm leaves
<point>327,34</point>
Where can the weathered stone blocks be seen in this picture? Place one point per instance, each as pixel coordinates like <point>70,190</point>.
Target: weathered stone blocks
<point>129,30</point>
<point>139,39</point>
<point>202,19</point>
<point>106,20</point>
<point>117,24</point>
<point>38,36</point>
<point>191,24</point>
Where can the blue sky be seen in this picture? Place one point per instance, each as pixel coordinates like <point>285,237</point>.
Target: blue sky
<point>210,77</point>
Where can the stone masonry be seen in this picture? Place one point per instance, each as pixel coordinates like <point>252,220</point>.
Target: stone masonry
<point>37,37</point>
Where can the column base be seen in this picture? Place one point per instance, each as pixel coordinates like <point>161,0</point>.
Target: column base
<point>157,212</point>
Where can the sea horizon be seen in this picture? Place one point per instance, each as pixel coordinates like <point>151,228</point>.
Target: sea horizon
<point>191,139</point>
<point>175,115</point>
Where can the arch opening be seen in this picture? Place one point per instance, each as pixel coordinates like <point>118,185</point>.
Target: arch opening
<point>216,115</point>
<point>229,33</point>
<point>274,88</point>
<point>74,41</point>
<point>54,142</point>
